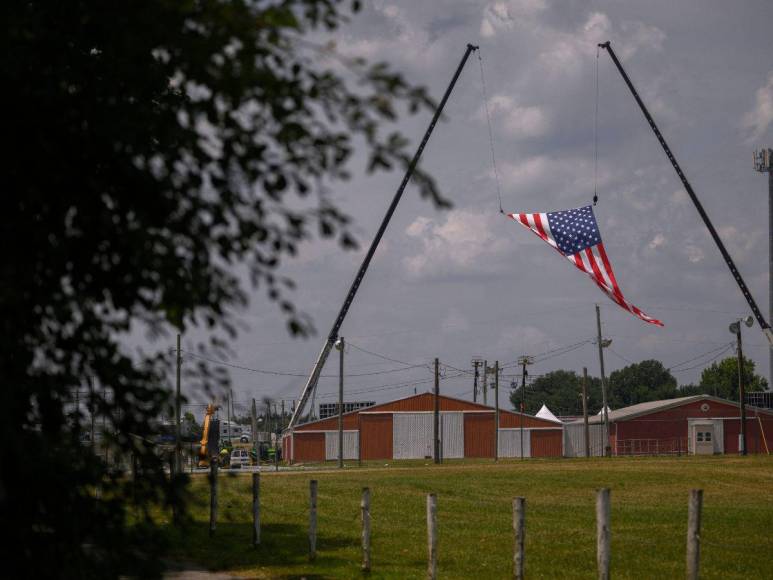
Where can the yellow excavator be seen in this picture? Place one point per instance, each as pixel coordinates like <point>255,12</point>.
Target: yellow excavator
<point>204,454</point>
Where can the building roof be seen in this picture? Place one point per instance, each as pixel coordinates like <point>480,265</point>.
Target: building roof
<point>414,403</point>
<point>649,407</point>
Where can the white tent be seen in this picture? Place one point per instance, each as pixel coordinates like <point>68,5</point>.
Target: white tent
<point>601,412</point>
<point>545,413</point>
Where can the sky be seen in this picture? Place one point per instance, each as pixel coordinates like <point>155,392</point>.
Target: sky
<point>467,281</point>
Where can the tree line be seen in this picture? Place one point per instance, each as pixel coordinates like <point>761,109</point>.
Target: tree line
<point>648,380</point>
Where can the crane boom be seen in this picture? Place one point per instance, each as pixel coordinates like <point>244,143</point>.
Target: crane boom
<point>311,383</point>
<point>725,254</point>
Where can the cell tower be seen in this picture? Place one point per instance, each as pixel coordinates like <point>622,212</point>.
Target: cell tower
<point>763,162</point>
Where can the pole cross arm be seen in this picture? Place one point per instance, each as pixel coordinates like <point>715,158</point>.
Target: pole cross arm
<point>725,254</point>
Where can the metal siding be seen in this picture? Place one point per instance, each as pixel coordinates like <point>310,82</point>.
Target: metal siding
<point>546,443</point>
<point>351,443</point>
<point>452,435</point>
<point>412,435</point>
<point>510,443</point>
<point>479,435</point>
<point>309,447</point>
<point>754,442</point>
<point>574,440</point>
<point>376,436</point>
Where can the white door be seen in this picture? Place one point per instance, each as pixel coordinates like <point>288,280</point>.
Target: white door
<point>412,435</point>
<point>703,439</point>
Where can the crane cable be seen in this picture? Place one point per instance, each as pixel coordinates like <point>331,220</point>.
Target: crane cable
<point>595,135</point>
<point>490,132</point>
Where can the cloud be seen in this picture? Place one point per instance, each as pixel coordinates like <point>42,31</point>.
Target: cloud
<point>524,339</point>
<point>694,253</point>
<point>569,50</point>
<point>504,16</point>
<point>463,242</point>
<point>760,117</point>
<point>518,121</point>
<point>657,241</point>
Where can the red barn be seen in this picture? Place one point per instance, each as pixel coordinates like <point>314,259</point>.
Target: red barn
<point>699,424</point>
<point>403,429</point>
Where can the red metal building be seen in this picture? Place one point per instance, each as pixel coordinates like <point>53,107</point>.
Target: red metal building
<point>403,429</point>
<point>699,424</point>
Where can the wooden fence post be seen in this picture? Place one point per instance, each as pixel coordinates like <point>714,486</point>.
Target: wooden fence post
<point>694,534</point>
<point>212,497</point>
<point>602,533</point>
<point>365,509</point>
<point>519,514</point>
<point>312,519</point>
<point>432,536</point>
<point>255,510</point>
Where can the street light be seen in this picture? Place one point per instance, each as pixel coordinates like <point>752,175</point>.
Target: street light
<point>735,328</point>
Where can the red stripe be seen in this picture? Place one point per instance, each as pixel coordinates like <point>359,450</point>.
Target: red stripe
<point>594,266</point>
<point>607,266</point>
<point>578,262</point>
<point>524,220</point>
<point>538,224</point>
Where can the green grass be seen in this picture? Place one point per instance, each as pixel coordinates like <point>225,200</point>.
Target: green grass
<point>649,516</point>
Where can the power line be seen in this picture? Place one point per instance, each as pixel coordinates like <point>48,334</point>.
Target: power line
<point>291,374</point>
<point>394,360</point>
<point>712,351</point>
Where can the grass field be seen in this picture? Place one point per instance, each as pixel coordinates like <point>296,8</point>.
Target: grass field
<point>649,518</point>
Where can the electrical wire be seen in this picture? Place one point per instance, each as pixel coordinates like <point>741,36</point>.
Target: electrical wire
<point>394,360</point>
<point>295,374</point>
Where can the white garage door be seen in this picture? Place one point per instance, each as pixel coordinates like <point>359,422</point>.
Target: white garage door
<point>412,435</point>
<point>351,445</point>
<point>510,443</point>
<point>452,434</point>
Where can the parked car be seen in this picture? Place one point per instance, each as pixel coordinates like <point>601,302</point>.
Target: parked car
<point>240,457</point>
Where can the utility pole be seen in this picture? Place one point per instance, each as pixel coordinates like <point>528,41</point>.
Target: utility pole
<point>254,425</point>
<point>604,410</point>
<point>178,449</point>
<point>436,425</point>
<point>523,361</point>
<point>763,162</point>
<point>735,328</point>
<point>585,409</point>
<point>485,382</point>
<point>741,391</point>
<point>340,346</point>
<point>282,420</point>
<point>496,411</point>
<point>476,362</point>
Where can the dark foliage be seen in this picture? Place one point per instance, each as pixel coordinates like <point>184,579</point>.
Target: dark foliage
<point>561,391</point>
<point>156,149</point>
<point>721,378</point>
<point>640,382</point>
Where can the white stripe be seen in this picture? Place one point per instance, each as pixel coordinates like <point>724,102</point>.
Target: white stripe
<point>586,264</point>
<point>600,263</point>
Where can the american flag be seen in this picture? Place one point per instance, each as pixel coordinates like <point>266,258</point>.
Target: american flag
<point>575,234</point>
